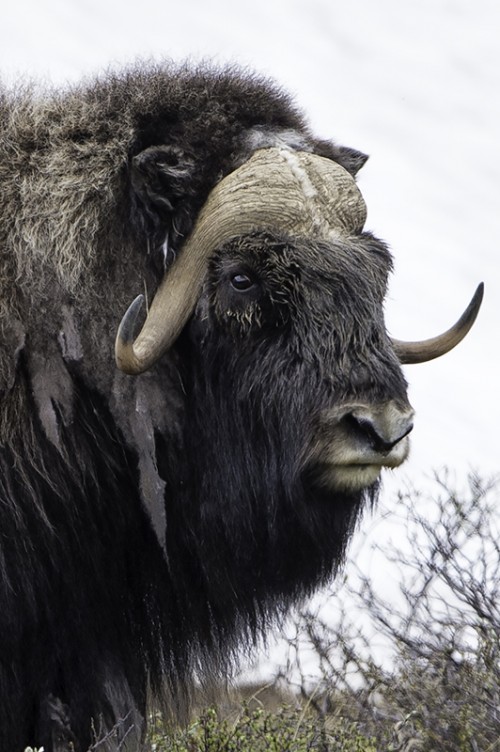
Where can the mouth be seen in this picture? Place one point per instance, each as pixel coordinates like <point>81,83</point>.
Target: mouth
<point>355,447</point>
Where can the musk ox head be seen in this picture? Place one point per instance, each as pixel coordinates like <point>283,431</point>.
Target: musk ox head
<point>287,292</point>
<point>294,397</point>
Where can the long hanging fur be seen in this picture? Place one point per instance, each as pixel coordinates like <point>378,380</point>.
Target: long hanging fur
<point>149,525</point>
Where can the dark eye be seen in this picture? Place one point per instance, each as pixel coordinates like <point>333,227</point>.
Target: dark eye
<point>242,282</point>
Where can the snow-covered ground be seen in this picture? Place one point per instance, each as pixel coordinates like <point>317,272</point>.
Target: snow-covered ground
<point>414,84</point>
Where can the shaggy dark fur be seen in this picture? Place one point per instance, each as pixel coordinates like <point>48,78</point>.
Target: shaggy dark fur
<point>149,525</point>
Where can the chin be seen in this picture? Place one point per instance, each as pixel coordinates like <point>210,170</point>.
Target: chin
<point>347,478</point>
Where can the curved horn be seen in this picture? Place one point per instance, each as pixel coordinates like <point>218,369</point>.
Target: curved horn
<point>297,193</point>
<point>428,349</point>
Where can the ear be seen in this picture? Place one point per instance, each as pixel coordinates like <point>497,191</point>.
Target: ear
<point>160,178</point>
<point>351,159</point>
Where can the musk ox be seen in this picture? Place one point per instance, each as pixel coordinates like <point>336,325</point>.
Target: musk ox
<point>155,515</point>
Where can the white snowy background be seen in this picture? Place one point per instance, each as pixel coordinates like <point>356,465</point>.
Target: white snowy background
<point>415,84</point>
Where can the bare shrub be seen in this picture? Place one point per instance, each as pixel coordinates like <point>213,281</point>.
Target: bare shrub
<point>415,666</point>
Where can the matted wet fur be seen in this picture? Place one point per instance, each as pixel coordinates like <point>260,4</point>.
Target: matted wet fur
<point>151,525</point>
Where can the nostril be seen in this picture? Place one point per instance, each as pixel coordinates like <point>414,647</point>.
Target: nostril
<point>381,434</point>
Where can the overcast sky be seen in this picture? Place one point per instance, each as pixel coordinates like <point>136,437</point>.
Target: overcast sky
<point>416,84</point>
